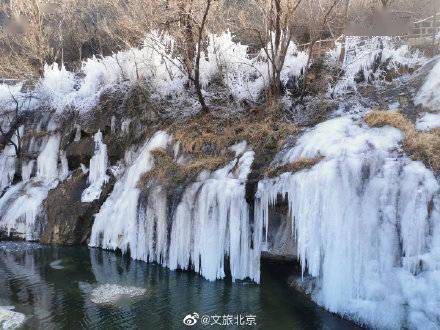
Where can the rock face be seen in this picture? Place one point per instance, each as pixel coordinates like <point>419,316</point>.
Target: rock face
<point>69,221</point>
<point>281,244</point>
<point>80,152</point>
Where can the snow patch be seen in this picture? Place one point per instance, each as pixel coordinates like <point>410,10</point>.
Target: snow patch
<point>427,121</point>
<point>10,319</point>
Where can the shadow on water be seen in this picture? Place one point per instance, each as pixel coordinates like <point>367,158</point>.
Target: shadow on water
<point>53,285</point>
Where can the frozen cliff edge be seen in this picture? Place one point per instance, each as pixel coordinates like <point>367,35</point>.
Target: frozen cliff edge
<point>210,222</point>
<point>21,204</point>
<point>366,222</point>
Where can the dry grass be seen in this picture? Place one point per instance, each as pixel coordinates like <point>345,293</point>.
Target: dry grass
<point>210,135</point>
<point>423,146</point>
<point>168,173</point>
<point>395,119</point>
<point>205,139</point>
<point>164,166</point>
<point>297,165</point>
<point>195,166</point>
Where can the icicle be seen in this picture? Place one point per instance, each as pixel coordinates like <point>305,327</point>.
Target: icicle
<point>7,166</point>
<point>64,170</point>
<point>113,125</point>
<point>26,170</point>
<point>47,161</point>
<point>77,133</point>
<point>84,168</point>
<point>98,170</point>
<point>8,158</point>
<point>125,126</point>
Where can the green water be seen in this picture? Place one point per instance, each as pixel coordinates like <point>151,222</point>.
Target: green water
<point>52,286</point>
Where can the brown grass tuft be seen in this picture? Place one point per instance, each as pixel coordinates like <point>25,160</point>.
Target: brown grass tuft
<point>205,139</point>
<point>168,173</point>
<point>297,165</point>
<point>395,119</point>
<point>423,146</point>
<point>195,166</point>
<point>208,134</point>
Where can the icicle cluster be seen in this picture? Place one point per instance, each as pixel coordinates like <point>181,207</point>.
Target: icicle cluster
<point>21,204</point>
<point>7,163</point>
<point>116,224</point>
<point>366,222</point>
<point>211,220</point>
<point>97,171</point>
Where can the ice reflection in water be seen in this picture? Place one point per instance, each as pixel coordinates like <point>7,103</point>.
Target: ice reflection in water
<point>54,297</point>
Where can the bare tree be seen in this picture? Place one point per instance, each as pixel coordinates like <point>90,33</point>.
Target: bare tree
<point>319,19</point>
<point>274,34</point>
<point>15,118</point>
<point>193,17</point>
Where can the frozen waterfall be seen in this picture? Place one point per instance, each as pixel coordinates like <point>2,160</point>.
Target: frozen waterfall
<point>7,163</point>
<point>115,225</point>
<point>366,222</point>
<point>210,222</point>
<point>97,171</point>
<point>21,204</point>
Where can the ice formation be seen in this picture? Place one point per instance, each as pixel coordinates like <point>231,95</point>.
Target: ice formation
<point>366,222</point>
<point>111,293</point>
<point>210,222</point>
<point>363,55</point>
<point>97,171</point>
<point>154,64</point>
<point>429,93</point>
<point>9,319</point>
<point>57,88</point>
<point>245,76</point>
<point>7,165</point>
<point>365,218</point>
<point>21,204</point>
<point>77,137</point>
<point>115,225</point>
<point>57,264</point>
<point>427,121</point>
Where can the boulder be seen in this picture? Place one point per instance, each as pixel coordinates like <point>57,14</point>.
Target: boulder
<point>69,221</point>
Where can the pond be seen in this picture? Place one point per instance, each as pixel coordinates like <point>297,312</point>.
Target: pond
<point>77,287</point>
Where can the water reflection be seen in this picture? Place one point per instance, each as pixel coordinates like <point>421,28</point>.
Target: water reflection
<point>54,297</point>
